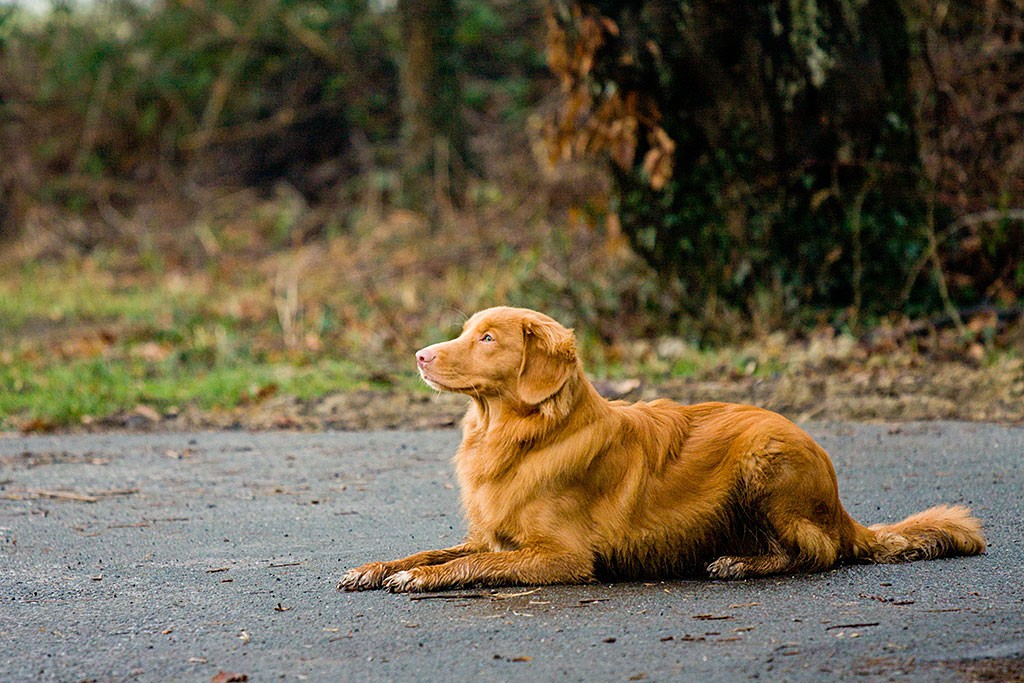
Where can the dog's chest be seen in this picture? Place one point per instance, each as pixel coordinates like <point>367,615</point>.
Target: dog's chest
<point>497,507</point>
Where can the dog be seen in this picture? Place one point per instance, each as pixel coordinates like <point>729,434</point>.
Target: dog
<point>560,485</point>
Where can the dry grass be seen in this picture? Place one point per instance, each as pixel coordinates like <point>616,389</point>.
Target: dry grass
<point>236,318</point>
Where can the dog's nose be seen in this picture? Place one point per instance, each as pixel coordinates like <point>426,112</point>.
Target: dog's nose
<point>424,356</point>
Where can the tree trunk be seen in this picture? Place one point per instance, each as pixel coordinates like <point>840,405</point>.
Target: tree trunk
<point>435,154</point>
<point>792,168</point>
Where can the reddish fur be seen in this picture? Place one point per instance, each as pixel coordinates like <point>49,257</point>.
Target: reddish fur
<point>561,486</point>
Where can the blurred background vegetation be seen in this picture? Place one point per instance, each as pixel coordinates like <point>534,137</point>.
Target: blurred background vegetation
<point>208,203</point>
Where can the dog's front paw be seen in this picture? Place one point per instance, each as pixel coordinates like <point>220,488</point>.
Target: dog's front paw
<point>727,568</point>
<point>409,581</point>
<point>367,577</point>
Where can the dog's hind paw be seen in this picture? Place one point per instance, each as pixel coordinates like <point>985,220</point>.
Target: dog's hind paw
<point>727,568</point>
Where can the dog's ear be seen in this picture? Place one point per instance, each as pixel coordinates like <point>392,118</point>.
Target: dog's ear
<point>549,358</point>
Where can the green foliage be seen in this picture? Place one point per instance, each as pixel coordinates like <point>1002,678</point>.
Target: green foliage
<point>118,99</point>
<point>765,159</point>
<point>123,89</point>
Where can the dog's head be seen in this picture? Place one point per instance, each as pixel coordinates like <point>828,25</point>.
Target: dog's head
<point>507,353</point>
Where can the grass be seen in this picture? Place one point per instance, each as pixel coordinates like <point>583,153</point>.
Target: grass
<point>97,335</point>
<point>61,394</point>
<point>80,339</point>
<point>88,337</point>
<point>81,291</point>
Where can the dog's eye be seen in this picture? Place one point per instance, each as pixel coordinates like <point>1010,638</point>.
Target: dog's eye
<point>487,337</point>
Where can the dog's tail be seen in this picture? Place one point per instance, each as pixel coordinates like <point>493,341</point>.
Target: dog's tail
<point>941,531</point>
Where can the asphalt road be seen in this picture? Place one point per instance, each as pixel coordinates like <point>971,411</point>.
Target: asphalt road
<point>174,557</point>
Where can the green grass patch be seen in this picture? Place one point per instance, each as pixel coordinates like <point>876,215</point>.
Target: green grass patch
<point>62,292</point>
<point>61,394</point>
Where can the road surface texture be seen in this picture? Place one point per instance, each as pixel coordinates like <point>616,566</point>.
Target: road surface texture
<point>175,557</point>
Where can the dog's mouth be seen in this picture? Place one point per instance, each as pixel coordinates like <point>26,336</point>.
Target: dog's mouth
<point>443,385</point>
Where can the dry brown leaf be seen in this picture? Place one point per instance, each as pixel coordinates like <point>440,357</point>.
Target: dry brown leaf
<point>229,677</point>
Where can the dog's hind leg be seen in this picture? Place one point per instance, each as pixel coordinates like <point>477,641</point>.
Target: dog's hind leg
<point>801,546</point>
<point>791,488</point>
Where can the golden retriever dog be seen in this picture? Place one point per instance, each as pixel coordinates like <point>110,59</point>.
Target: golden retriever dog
<point>560,485</point>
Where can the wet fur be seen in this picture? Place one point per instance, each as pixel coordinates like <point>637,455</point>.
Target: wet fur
<point>562,486</point>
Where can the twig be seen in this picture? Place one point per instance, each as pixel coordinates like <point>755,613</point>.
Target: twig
<point>856,216</point>
<point>940,276</point>
<point>90,127</point>
<point>865,625</point>
<point>506,596</point>
<point>965,221</point>
<point>71,495</point>
<point>986,216</point>
<point>281,120</point>
<point>313,42</point>
<point>115,492</point>
<point>452,596</point>
<point>230,70</point>
<point>286,301</point>
<point>64,495</point>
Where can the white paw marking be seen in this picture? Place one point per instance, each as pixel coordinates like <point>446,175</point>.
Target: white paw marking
<point>400,582</point>
<point>362,578</point>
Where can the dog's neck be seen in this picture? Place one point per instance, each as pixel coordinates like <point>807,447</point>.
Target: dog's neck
<point>509,423</point>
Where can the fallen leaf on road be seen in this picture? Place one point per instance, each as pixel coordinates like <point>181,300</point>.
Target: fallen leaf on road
<point>521,659</point>
<point>882,598</point>
<point>38,426</point>
<point>229,677</point>
<point>179,455</point>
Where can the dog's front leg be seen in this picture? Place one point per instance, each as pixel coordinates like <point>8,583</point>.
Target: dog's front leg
<point>527,566</point>
<point>373,574</point>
